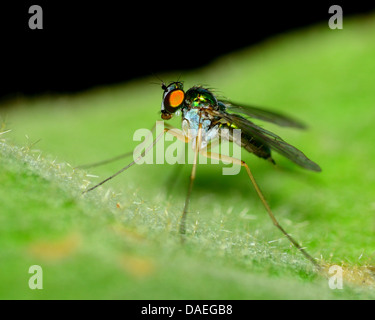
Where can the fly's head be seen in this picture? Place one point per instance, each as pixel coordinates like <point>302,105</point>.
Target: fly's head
<point>173,99</point>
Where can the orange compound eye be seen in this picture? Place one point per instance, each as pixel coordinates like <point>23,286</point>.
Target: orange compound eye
<point>176,97</point>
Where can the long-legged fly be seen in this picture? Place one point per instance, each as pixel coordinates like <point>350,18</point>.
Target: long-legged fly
<point>203,112</point>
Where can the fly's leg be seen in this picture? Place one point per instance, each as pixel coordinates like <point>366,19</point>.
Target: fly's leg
<point>261,197</point>
<point>96,164</point>
<point>130,164</point>
<point>121,156</point>
<point>179,135</point>
<point>169,129</point>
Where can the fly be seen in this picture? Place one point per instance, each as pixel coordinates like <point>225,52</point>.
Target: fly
<point>206,115</point>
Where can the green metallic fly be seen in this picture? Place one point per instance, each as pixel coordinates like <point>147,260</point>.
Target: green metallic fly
<point>205,115</point>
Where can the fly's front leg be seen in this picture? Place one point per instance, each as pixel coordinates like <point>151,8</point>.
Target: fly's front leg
<point>121,156</point>
<point>176,133</point>
<point>148,149</point>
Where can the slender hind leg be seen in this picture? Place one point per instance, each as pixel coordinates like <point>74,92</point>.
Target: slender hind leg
<point>261,196</point>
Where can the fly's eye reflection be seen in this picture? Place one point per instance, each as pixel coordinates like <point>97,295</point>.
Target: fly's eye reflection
<point>175,98</point>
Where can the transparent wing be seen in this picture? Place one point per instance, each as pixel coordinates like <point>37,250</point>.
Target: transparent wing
<point>263,114</point>
<point>270,139</point>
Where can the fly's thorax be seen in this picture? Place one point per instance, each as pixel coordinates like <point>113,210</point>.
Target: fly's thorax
<point>191,118</point>
<point>198,97</point>
<point>198,102</point>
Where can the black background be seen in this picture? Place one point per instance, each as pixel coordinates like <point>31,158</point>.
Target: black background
<point>89,44</point>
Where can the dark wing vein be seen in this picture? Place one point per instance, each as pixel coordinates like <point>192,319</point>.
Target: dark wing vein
<point>270,139</point>
<point>264,114</point>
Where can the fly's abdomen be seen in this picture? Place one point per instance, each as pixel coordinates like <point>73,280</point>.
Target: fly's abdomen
<point>250,144</point>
